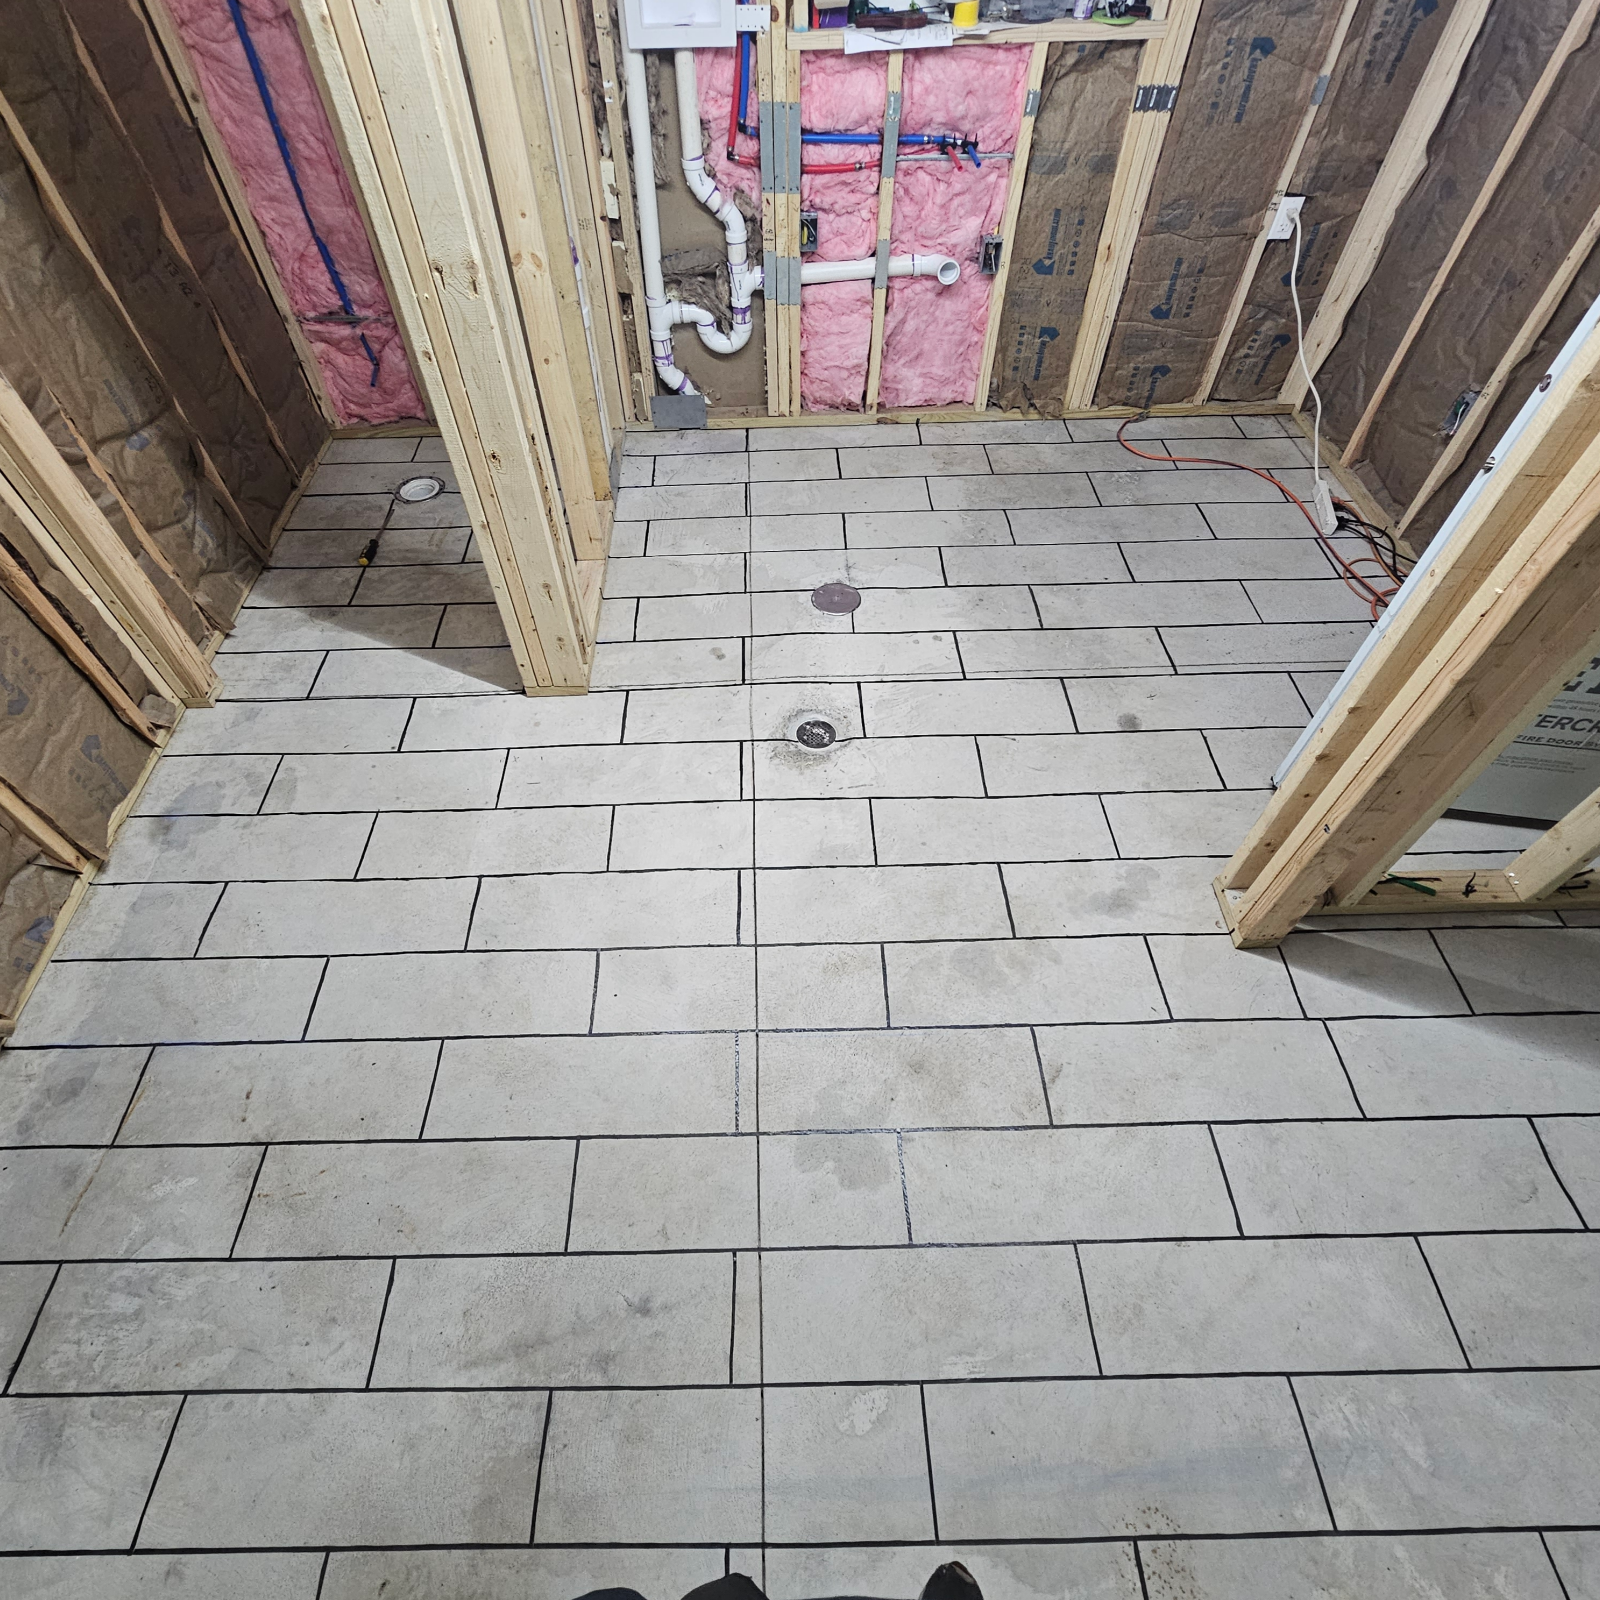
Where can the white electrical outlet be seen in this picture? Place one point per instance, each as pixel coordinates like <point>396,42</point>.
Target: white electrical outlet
<point>1283,223</point>
<point>1322,504</point>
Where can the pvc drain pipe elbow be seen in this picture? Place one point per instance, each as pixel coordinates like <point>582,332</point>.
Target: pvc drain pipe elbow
<point>658,308</point>
<point>743,280</point>
<point>946,270</point>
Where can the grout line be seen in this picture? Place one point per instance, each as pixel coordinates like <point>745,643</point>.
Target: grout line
<point>166,1450</point>
<point>27,1338</point>
<point>316,994</point>
<point>538,1476</point>
<point>1038,1056</point>
<point>250,1195</point>
<point>383,1312</point>
<point>1311,1450</point>
<point>572,1196</point>
<point>1338,1054</point>
<point>905,1193</point>
<point>322,1575</point>
<point>133,1098</point>
<point>1556,1173</point>
<point>1226,1183</point>
<point>927,1446</point>
<point>1138,1563</point>
<point>1088,1313</point>
<point>1444,1305</point>
<point>433,1084</point>
<point>1561,1583</point>
<point>733,1318</point>
<point>1005,895</point>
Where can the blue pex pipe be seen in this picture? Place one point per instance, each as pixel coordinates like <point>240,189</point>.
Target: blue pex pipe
<point>259,73</point>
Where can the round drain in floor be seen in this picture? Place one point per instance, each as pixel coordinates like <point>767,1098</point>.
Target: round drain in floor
<point>816,734</point>
<point>838,598</point>
<point>414,490</point>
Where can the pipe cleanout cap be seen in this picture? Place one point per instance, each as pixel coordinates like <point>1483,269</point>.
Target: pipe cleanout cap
<point>414,490</point>
<point>949,271</point>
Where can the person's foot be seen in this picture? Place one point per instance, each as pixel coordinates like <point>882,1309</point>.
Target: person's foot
<point>952,1581</point>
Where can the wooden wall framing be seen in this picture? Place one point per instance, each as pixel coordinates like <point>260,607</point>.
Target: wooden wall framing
<point>401,96</point>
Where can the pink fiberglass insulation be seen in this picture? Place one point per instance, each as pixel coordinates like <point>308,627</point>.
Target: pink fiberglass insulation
<point>235,104</point>
<point>714,72</point>
<point>933,336</point>
<point>839,94</point>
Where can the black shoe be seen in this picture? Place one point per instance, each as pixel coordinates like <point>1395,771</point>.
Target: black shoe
<point>952,1581</point>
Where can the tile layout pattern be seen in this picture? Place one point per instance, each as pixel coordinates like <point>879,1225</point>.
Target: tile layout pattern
<point>479,1145</point>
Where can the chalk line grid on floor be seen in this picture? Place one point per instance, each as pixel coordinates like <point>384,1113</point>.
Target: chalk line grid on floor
<point>596,1141</point>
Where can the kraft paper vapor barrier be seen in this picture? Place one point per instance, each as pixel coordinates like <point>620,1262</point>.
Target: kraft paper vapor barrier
<point>102,185</point>
<point>173,159</point>
<point>1501,69</point>
<point>33,890</point>
<point>1249,77</point>
<point>1382,59</point>
<point>1083,107</point>
<point>62,345</point>
<point>1539,211</point>
<point>62,748</point>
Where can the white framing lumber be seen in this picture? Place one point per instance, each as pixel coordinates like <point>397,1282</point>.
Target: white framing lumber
<point>75,535</point>
<point>641,368</point>
<point>1404,163</point>
<point>1563,850</point>
<point>571,407</point>
<point>1241,292</point>
<point>1160,61</point>
<point>563,122</point>
<point>1576,31</point>
<point>1021,151</point>
<point>412,152</point>
<point>1504,653</point>
<point>1536,468</point>
<point>893,78</point>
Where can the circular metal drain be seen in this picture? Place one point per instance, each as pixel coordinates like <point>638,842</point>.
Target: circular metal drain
<point>838,598</point>
<point>415,490</point>
<point>815,734</point>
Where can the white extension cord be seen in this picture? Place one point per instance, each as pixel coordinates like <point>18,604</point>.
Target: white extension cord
<point>1321,493</point>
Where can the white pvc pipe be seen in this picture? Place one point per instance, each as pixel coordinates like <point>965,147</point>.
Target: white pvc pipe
<point>742,279</point>
<point>940,267</point>
<point>658,307</point>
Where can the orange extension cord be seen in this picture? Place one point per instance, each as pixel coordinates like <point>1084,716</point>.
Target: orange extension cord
<point>1377,592</point>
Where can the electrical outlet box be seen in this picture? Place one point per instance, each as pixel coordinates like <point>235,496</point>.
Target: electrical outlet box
<point>1283,223</point>
<point>678,24</point>
<point>808,233</point>
<point>989,259</point>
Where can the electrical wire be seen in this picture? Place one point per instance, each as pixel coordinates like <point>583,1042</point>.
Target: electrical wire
<point>1376,590</point>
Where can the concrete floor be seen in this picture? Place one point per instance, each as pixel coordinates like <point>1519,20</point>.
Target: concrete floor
<point>471,1146</point>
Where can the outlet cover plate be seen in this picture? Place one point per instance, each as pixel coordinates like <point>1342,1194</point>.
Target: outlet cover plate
<point>1283,223</point>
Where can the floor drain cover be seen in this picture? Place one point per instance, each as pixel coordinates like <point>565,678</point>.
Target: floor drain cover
<point>836,597</point>
<point>417,489</point>
<point>815,734</point>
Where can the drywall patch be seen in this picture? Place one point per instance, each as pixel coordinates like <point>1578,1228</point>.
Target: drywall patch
<point>1077,133</point>
<point>1248,79</point>
<point>235,104</point>
<point>1383,57</point>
